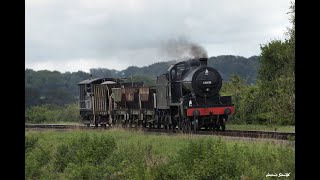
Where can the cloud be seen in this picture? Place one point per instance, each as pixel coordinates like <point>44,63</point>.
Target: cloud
<point>73,65</point>
<point>99,32</point>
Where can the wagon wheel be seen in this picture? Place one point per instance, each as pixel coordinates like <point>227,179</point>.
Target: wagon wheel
<point>123,123</point>
<point>188,125</point>
<point>165,123</point>
<point>127,123</point>
<point>223,127</point>
<point>130,123</point>
<point>174,125</point>
<point>179,126</point>
<point>144,125</point>
<point>153,124</point>
<point>205,127</point>
<point>184,125</point>
<point>217,127</point>
<point>168,123</point>
<point>195,124</point>
<point>158,123</point>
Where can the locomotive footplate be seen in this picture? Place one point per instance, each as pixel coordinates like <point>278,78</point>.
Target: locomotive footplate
<point>211,111</point>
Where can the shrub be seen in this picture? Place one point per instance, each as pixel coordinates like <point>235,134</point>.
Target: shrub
<point>213,159</point>
<point>52,113</point>
<point>30,143</point>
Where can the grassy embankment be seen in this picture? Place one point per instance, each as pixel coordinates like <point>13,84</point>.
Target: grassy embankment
<point>119,154</point>
<point>254,127</point>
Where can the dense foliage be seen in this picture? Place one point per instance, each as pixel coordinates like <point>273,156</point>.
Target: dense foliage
<point>52,113</point>
<point>51,87</point>
<point>124,155</point>
<point>272,99</point>
<point>277,76</point>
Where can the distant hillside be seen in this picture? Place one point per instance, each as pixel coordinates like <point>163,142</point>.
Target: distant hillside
<point>246,68</point>
<point>53,87</point>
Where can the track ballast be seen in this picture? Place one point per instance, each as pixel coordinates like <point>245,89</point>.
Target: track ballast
<point>235,133</point>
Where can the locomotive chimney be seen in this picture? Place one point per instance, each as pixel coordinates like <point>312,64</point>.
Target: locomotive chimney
<point>203,61</point>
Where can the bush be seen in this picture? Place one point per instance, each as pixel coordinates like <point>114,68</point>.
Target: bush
<point>213,159</point>
<point>52,113</point>
<point>84,150</point>
<point>30,143</point>
<point>81,156</point>
<point>36,162</point>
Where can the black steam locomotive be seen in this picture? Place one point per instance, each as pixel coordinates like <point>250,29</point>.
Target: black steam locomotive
<point>185,97</point>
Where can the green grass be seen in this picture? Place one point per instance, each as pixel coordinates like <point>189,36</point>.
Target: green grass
<point>253,127</point>
<point>121,154</point>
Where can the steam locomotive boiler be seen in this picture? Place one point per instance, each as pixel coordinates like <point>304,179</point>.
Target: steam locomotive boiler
<point>188,97</point>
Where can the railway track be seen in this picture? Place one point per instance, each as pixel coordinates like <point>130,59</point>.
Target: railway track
<point>235,133</point>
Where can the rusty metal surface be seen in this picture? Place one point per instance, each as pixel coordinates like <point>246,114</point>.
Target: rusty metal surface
<point>144,93</point>
<point>129,94</point>
<point>150,103</point>
<point>116,94</point>
<point>100,98</point>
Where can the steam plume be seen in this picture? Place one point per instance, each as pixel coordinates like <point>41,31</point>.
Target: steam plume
<point>182,49</point>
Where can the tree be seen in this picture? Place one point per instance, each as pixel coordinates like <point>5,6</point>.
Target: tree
<point>277,76</point>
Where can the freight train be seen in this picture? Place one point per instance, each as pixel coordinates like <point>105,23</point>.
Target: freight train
<point>186,97</point>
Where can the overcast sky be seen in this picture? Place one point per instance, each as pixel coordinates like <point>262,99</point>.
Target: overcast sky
<point>72,35</point>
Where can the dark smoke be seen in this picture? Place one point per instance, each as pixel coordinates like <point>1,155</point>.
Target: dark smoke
<point>182,49</point>
<point>198,51</point>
